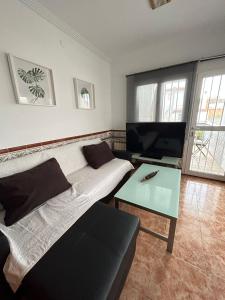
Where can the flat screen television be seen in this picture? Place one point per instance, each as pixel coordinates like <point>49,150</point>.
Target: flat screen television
<point>156,139</point>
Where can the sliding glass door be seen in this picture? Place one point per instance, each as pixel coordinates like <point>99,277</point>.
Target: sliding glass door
<point>206,139</point>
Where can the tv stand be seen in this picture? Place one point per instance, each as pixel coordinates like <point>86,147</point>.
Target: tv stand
<point>165,161</point>
<point>152,155</point>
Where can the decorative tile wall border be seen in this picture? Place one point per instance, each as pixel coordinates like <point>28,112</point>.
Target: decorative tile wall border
<point>119,139</point>
<point>15,152</point>
<point>115,138</point>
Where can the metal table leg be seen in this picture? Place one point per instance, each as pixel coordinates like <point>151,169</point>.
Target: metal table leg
<point>171,236</point>
<point>116,203</point>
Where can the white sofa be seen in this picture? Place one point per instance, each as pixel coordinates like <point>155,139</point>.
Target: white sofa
<point>97,183</point>
<point>92,258</point>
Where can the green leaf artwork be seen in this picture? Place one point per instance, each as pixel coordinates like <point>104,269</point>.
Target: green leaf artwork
<point>37,91</point>
<point>32,77</point>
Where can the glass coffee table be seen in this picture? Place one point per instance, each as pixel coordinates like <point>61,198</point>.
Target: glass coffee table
<point>158,195</point>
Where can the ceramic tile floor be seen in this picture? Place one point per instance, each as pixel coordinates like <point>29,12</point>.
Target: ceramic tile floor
<point>196,269</point>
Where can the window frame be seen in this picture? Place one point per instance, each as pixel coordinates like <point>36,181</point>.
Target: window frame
<point>158,110</point>
<point>181,71</point>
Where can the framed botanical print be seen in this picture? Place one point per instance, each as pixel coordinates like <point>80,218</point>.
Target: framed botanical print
<point>33,84</point>
<point>84,93</point>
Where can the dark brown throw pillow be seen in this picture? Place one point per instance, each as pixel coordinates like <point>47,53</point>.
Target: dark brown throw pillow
<point>20,193</point>
<point>98,154</point>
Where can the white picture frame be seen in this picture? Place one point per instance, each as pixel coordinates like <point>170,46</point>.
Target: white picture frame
<point>84,94</point>
<point>33,84</point>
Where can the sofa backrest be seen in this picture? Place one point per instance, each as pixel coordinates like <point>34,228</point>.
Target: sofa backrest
<point>70,158</point>
<point>21,164</point>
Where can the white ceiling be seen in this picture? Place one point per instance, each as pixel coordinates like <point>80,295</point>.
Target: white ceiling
<point>119,26</point>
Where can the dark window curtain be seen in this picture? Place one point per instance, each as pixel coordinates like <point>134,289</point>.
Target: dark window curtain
<point>183,71</point>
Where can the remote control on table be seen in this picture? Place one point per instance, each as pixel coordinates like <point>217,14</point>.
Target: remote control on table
<point>150,175</point>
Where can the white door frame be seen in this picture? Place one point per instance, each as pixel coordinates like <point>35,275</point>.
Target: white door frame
<point>205,69</point>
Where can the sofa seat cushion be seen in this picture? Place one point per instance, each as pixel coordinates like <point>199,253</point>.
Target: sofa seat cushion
<point>89,261</point>
<point>98,183</point>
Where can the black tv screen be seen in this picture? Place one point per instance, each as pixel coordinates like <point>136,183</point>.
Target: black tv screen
<point>156,139</point>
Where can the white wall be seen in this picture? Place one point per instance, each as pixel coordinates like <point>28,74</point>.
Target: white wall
<point>26,35</point>
<point>178,49</point>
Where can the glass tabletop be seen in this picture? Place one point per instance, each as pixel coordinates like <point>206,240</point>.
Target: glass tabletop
<point>159,194</point>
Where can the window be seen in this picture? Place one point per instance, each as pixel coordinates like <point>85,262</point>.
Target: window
<point>146,101</point>
<point>162,95</point>
<point>212,101</point>
<point>172,100</point>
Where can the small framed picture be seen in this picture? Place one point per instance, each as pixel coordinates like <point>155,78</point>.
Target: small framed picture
<point>33,84</point>
<point>84,93</point>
